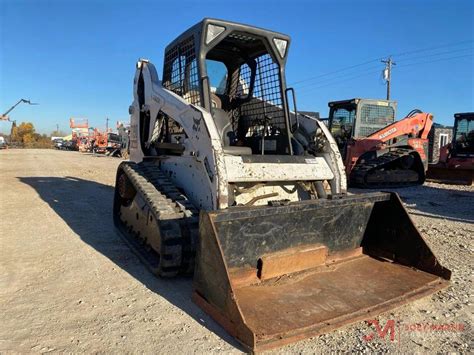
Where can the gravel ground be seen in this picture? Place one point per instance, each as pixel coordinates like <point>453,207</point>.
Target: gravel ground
<point>69,284</point>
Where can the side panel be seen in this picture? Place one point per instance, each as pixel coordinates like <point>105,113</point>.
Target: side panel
<point>136,153</point>
<point>315,168</point>
<point>330,151</point>
<point>191,176</point>
<point>421,147</point>
<point>335,159</point>
<point>202,142</point>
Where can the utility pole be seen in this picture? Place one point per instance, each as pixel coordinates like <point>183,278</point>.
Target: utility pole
<point>387,73</point>
<point>57,128</point>
<point>107,124</point>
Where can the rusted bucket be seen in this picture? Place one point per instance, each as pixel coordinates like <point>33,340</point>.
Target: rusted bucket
<point>274,275</point>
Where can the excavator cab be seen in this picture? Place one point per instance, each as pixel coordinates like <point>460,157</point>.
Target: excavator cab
<point>456,160</point>
<point>358,118</point>
<point>463,138</point>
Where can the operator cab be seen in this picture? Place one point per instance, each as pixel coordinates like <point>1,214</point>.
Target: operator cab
<point>463,139</point>
<point>236,72</point>
<point>113,138</point>
<point>358,118</point>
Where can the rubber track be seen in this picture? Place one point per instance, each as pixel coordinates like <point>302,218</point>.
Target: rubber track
<point>177,216</point>
<point>360,171</point>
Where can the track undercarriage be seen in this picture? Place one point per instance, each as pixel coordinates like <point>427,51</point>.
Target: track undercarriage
<point>156,219</point>
<point>396,168</point>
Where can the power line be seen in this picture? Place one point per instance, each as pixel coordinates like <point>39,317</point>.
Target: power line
<point>426,49</point>
<point>309,91</point>
<point>436,60</point>
<point>436,54</point>
<point>389,63</point>
<point>333,78</point>
<point>313,88</point>
<point>335,71</point>
<point>432,48</point>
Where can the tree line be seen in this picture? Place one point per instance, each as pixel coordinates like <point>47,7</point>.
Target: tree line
<point>24,135</point>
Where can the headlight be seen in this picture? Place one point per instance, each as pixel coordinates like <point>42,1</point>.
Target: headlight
<point>212,32</point>
<point>281,45</point>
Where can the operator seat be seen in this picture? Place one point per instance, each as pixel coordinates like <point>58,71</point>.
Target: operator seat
<point>224,127</point>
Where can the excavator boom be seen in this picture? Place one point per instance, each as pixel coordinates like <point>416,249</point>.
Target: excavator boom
<point>417,125</point>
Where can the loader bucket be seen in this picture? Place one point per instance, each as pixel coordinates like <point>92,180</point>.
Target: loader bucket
<point>446,175</point>
<point>272,275</point>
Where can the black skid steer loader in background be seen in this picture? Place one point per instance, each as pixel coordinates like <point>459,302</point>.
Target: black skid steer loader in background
<point>224,181</point>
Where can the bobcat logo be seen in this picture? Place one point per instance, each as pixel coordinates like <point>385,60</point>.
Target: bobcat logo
<point>197,124</point>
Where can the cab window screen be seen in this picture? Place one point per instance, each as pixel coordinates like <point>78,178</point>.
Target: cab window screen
<point>374,117</point>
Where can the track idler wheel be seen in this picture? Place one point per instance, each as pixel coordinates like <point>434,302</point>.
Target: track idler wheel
<point>125,188</point>
<point>406,162</point>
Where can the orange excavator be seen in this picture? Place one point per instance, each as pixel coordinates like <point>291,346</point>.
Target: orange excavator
<point>377,151</point>
<point>456,159</point>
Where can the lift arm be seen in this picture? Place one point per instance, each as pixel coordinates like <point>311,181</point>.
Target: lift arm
<point>4,116</point>
<point>417,126</point>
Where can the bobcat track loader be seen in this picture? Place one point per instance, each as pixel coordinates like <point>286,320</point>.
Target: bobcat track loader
<point>226,182</point>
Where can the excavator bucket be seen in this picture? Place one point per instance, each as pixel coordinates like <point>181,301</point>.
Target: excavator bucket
<point>271,275</point>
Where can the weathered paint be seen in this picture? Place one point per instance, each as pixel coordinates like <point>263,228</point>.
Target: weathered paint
<point>310,267</point>
<point>315,168</point>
